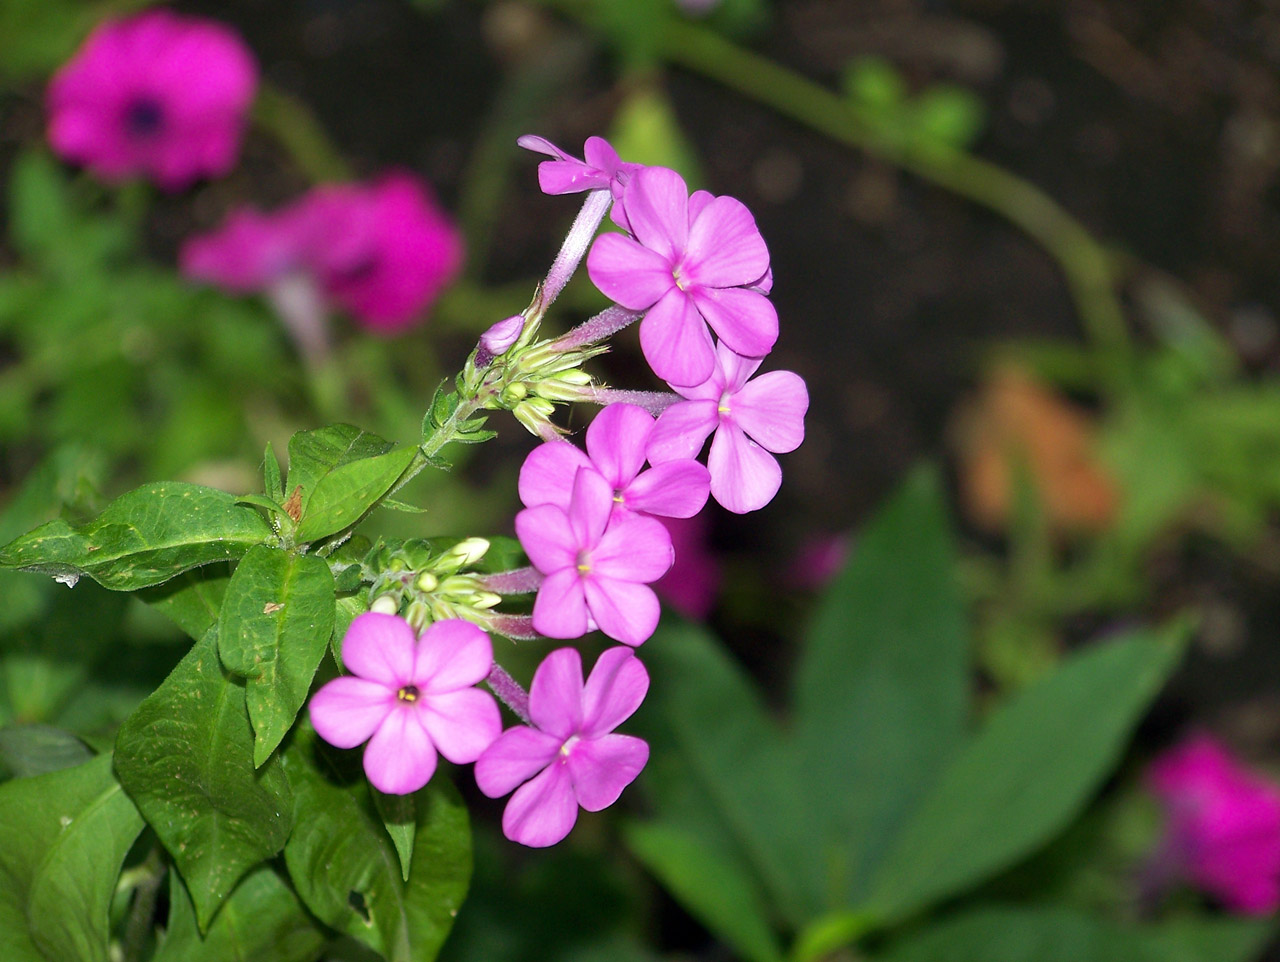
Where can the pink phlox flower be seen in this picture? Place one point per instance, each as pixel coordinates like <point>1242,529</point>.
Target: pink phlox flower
<point>692,584</point>
<point>1223,825</point>
<point>616,444</point>
<point>158,95</point>
<point>693,262</point>
<point>750,419</point>
<point>383,252</point>
<point>602,170</point>
<point>570,756</point>
<point>409,697</point>
<point>597,564</point>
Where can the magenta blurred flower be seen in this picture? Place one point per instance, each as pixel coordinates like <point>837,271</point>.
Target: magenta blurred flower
<point>693,582</point>
<point>819,560</point>
<point>569,757</point>
<point>409,697</point>
<point>616,444</point>
<point>383,252</point>
<point>157,95</point>
<point>597,564</point>
<point>1223,826</point>
<point>749,421</point>
<point>693,261</point>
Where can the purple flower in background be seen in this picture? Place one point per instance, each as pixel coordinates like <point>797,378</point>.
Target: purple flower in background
<point>819,559</point>
<point>598,564</point>
<point>409,697</point>
<point>383,252</point>
<point>157,95</point>
<point>749,420</point>
<point>693,582</point>
<point>616,444</point>
<point>569,757</point>
<point>694,261</point>
<point>1223,827</point>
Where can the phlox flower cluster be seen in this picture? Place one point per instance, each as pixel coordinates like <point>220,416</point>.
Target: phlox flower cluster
<point>1222,827</point>
<point>694,271</point>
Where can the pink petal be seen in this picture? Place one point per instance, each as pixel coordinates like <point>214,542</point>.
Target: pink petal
<point>542,811</point>
<point>602,767</point>
<point>616,441</point>
<point>698,202</point>
<point>658,210</point>
<point>452,654</point>
<point>516,756</point>
<point>771,410</point>
<point>674,489</point>
<point>462,724</point>
<point>545,535</point>
<point>745,321</point>
<point>600,154</point>
<point>569,177</point>
<point>380,647</point>
<point>555,697</point>
<point>589,507</point>
<point>348,710</point>
<point>560,609</point>
<point>744,477</point>
<point>400,757</point>
<point>725,246</point>
<point>733,370</point>
<point>625,611</point>
<point>634,548</point>
<point>542,146</point>
<point>628,273</point>
<point>681,431</point>
<point>614,690</point>
<point>546,477</point>
<point>676,342</point>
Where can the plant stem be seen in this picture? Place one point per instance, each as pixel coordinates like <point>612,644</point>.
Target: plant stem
<point>138,923</point>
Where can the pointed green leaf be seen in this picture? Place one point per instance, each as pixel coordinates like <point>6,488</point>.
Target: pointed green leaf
<point>63,837</point>
<point>263,921</point>
<point>272,483</point>
<point>193,599</point>
<point>345,868</point>
<point>884,671</point>
<point>275,625</point>
<point>186,759</point>
<point>345,494</point>
<point>143,538</point>
<point>313,454</point>
<point>1022,778</point>
<point>399,816</point>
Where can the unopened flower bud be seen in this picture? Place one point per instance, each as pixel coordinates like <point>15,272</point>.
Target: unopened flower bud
<point>486,599</point>
<point>515,392</point>
<point>499,338</point>
<point>470,551</point>
<point>535,414</point>
<point>567,386</point>
<point>426,582</point>
<point>385,605</point>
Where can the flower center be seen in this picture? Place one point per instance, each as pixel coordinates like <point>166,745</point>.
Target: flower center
<point>567,748</point>
<point>144,117</point>
<point>723,407</point>
<point>584,562</point>
<point>408,693</point>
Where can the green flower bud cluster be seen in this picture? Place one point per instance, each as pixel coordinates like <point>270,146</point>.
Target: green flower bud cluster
<point>426,584</point>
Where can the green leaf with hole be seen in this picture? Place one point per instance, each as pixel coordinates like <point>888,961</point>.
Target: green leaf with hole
<point>344,495</point>
<point>273,630</point>
<point>263,921</point>
<point>63,837</point>
<point>186,759</point>
<point>1026,773</point>
<point>344,865</point>
<point>143,538</point>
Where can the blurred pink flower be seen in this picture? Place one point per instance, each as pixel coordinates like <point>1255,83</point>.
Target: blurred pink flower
<point>693,582</point>
<point>382,252</point>
<point>157,95</point>
<point>1223,826</point>
<point>819,560</point>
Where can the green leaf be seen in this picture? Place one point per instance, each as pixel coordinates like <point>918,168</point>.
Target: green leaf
<point>63,837</point>
<point>399,816</point>
<point>193,599</point>
<point>884,672</point>
<point>948,116</point>
<point>275,626</point>
<point>143,538</point>
<point>263,921</point>
<point>186,759</point>
<point>344,495</point>
<point>712,887</point>
<point>345,868</point>
<point>27,750</point>
<point>313,454</point>
<point>272,483</point>
<point>876,84</point>
<point>719,726</point>
<point>1027,773</point>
